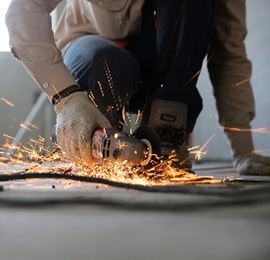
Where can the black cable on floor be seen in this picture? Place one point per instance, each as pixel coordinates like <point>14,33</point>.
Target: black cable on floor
<point>227,188</point>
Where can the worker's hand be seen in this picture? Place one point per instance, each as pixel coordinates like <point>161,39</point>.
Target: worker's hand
<point>252,164</point>
<point>77,118</point>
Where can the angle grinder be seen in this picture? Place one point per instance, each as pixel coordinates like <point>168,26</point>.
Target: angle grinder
<point>110,145</point>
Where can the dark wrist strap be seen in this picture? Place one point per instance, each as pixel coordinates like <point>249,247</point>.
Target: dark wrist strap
<point>64,93</point>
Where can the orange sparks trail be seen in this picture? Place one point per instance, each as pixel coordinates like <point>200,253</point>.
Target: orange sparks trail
<point>121,144</point>
<point>7,102</point>
<point>10,137</point>
<point>115,94</point>
<point>32,125</point>
<point>57,93</point>
<point>105,132</point>
<point>123,115</point>
<point>138,117</point>
<point>129,118</point>
<point>262,130</point>
<point>162,173</point>
<point>25,127</point>
<point>91,96</point>
<point>261,151</point>
<point>200,153</point>
<point>36,142</point>
<point>242,82</point>
<point>247,80</point>
<point>199,71</point>
<point>101,89</point>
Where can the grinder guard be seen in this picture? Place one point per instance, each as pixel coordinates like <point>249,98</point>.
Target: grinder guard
<point>110,145</point>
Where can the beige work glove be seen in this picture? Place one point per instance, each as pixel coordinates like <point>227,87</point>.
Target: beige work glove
<point>77,118</point>
<point>252,164</point>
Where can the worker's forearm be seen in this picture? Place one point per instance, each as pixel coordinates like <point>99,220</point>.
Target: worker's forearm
<point>230,72</point>
<point>32,42</point>
<point>235,106</point>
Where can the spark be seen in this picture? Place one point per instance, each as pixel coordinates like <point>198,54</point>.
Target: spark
<point>184,161</point>
<point>36,142</point>
<point>57,93</point>
<point>193,148</point>
<point>110,115</point>
<point>31,125</point>
<point>92,95</point>
<point>101,89</point>
<point>207,142</point>
<point>128,116</point>
<point>92,99</point>
<point>200,153</point>
<point>121,144</point>
<point>41,138</point>
<point>10,137</point>
<point>123,115</point>
<point>105,132</point>
<point>25,127</point>
<point>199,71</point>
<point>247,80</point>
<point>113,90</point>
<point>261,151</point>
<point>8,102</point>
<point>163,173</point>
<point>138,117</point>
<point>262,130</point>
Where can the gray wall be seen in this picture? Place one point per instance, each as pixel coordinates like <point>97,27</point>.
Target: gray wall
<point>19,88</point>
<point>258,49</point>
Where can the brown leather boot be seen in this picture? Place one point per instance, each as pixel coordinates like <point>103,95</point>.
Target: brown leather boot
<point>169,119</point>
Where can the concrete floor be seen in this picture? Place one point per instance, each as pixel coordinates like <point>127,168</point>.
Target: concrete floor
<point>89,221</point>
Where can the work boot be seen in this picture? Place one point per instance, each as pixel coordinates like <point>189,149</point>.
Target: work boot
<point>169,119</point>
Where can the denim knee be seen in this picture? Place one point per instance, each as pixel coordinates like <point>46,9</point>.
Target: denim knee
<point>93,60</point>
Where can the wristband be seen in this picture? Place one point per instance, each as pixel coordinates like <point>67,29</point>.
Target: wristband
<point>64,93</point>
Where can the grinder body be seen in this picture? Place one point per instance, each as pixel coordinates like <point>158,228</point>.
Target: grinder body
<point>110,145</point>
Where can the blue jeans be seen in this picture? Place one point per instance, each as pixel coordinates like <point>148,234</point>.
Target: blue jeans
<point>169,53</point>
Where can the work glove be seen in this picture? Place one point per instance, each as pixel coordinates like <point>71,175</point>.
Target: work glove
<point>252,164</point>
<point>77,118</point>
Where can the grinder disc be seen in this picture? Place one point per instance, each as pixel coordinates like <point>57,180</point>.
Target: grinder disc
<point>148,133</point>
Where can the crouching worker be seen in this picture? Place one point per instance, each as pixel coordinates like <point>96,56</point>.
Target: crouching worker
<point>141,55</point>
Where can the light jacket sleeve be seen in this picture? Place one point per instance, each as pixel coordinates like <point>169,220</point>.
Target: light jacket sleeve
<point>230,72</point>
<point>32,42</point>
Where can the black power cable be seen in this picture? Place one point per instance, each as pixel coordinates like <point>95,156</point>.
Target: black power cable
<point>228,187</point>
